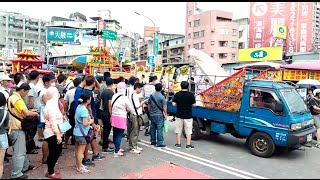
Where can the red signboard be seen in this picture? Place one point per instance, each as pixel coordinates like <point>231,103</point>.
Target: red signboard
<point>297,16</point>
<point>101,26</point>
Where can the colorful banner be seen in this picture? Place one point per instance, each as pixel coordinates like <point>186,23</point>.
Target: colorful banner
<point>260,54</point>
<point>227,94</point>
<point>158,72</point>
<point>295,75</point>
<point>269,75</point>
<point>296,16</point>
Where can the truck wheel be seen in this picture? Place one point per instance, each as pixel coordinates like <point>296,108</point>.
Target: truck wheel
<point>195,131</point>
<point>261,144</point>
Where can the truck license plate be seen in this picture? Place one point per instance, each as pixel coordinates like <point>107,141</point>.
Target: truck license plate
<point>309,137</point>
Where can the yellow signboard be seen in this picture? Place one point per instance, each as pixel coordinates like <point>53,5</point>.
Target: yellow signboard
<point>314,75</point>
<point>281,31</point>
<point>260,54</point>
<point>295,75</point>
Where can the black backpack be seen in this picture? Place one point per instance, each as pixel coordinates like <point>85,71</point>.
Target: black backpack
<point>72,111</point>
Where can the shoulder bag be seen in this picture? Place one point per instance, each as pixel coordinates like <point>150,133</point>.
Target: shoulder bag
<point>143,120</point>
<point>155,102</point>
<point>65,126</point>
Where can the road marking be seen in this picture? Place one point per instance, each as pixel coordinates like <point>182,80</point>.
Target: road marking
<point>205,162</point>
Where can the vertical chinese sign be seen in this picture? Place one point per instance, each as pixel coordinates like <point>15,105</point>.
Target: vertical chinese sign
<point>296,16</point>
<point>101,26</point>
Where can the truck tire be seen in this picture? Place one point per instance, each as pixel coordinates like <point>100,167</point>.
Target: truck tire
<point>195,131</point>
<point>261,144</point>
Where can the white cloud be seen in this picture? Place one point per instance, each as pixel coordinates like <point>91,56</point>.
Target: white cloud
<point>169,16</point>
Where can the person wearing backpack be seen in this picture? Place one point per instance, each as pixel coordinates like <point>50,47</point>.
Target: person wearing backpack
<point>68,103</point>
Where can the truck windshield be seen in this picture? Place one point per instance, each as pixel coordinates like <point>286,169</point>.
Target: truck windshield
<point>294,100</point>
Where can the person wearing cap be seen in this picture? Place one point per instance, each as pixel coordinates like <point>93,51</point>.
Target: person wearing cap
<point>16,135</point>
<point>4,85</point>
<point>105,107</point>
<point>120,106</point>
<point>17,78</point>
<point>315,111</point>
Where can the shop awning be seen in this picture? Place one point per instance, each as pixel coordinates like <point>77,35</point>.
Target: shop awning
<point>260,65</point>
<point>315,66</point>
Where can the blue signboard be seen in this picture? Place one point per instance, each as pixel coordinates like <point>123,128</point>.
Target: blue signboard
<point>151,61</point>
<point>63,35</point>
<point>120,55</point>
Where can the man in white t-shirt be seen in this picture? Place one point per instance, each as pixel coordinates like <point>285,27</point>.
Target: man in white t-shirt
<point>68,99</point>
<point>33,96</point>
<point>148,89</point>
<point>4,84</point>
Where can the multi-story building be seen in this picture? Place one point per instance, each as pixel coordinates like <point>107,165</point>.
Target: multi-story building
<point>16,27</point>
<point>243,32</point>
<point>172,50</point>
<point>147,45</point>
<point>213,32</point>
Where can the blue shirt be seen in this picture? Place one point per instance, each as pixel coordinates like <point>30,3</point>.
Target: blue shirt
<point>77,95</point>
<point>81,112</point>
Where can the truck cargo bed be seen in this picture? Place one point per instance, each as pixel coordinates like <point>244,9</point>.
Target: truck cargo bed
<point>209,113</point>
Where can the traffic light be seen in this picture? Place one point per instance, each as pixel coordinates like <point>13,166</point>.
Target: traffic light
<point>94,32</point>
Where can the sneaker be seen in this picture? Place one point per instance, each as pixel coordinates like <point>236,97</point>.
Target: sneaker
<point>189,147</point>
<point>24,176</point>
<point>107,151</point>
<point>161,145</point>
<point>54,176</point>
<point>318,145</point>
<point>87,162</point>
<point>98,157</point>
<point>135,151</point>
<point>178,146</point>
<point>153,144</point>
<point>116,155</point>
<point>83,170</point>
<point>139,148</point>
<point>90,152</point>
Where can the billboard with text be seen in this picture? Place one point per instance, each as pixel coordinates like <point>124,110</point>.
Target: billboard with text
<point>296,16</point>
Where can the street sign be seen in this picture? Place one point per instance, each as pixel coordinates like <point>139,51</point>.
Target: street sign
<point>108,34</point>
<point>151,61</point>
<point>156,44</point>
<point>120,55</point>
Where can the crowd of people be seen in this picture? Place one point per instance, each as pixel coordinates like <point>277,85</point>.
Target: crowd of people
<point>58,112</point>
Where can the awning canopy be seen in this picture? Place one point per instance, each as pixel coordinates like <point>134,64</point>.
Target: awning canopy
<point>315,66</point>
<point>260,65</point>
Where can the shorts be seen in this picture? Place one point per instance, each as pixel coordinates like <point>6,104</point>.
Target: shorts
<point>4,144</point>
<point>186,123</point>
<point>80,140</point>
<point>317,121</point>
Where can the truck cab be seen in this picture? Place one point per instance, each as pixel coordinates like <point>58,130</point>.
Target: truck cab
<point>273,114</point>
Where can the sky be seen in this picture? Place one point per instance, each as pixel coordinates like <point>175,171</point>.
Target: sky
<point>169,16</point>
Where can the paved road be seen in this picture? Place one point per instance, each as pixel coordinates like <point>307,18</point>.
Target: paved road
<point>221,156</point>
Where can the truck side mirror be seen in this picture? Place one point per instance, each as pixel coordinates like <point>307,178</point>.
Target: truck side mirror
<point>279,107</point>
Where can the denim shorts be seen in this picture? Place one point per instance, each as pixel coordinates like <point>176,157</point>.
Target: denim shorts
<point>4,141</point>
<point>80,140</point>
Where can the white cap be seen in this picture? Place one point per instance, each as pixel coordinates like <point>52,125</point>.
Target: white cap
<point>5,77</point>
<point>316,91</point>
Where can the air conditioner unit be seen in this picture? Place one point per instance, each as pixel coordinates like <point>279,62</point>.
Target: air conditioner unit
<point>213,30</point>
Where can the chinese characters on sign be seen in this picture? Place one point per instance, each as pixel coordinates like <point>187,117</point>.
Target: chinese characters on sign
<point>63,35</point>
<point>295,75</point>
<point>314,75</point>
<point>101,26</point>
<point>296,16</point>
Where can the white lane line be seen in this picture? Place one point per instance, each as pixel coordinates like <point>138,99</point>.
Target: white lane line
<point>210,162</point>
<point>199,162</point>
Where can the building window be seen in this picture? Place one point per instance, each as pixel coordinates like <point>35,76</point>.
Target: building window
<point>202,45</point>
<point>189,46</point>
<point>212,55</point>
<point>176,42</point>
<point>241,45</point>
<point>233,56</point>
<point>190,12</point>
<point>196,46</point>
<point>189,24</point>
<point>212,42</point>
<point>223,55</point>
<point>182,41</point>
<point>223,31</point>
<point>189,35</point>
<point>240,34</point>
<point>196,34</point>
<point>202,33</point>
<point>234,44</point>
<point>196,23</point>
<point>223,43</point>
<point>234,32</point>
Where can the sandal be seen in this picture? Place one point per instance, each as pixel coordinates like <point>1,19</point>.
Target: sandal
<point>119,154</point>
